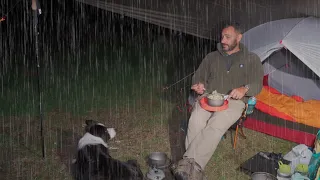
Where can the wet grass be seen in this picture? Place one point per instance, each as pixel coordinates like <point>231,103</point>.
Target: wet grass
<point>139,132</point>
<point>21,143</point>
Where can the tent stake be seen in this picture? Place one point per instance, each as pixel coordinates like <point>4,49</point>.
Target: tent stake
<point>36,12</point>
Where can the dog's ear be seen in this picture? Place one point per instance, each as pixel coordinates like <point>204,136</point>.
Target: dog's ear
<point>89,122</point>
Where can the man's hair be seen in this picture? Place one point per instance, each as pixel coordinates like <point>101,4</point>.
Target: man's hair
<point>235,25</point>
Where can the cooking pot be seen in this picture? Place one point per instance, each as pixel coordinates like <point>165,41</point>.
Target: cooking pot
<point>157,159</point>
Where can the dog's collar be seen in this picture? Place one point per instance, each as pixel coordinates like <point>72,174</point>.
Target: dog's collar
<point>89,139</point>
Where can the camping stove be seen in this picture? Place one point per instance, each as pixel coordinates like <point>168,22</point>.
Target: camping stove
<point>158,166</point>
<point>155,174</point>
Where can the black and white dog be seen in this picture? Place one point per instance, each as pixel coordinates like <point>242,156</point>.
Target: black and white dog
<point>93,160</point>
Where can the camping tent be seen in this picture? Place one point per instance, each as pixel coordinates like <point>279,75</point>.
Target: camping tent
<point>289,49</point>
<point>290,76</point>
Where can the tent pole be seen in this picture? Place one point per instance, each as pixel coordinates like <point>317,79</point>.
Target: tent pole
<point>36,12</point>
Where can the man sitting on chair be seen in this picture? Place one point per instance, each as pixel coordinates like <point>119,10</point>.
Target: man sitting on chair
<point>229,70</point>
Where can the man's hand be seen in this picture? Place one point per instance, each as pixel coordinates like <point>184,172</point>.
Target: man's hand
<point>198,88</point>
<point>238,93</point>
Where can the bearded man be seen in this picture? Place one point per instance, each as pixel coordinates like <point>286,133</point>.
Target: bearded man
<point>230,70</point>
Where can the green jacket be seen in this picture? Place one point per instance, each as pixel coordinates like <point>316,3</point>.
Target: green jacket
<point>245,68</point>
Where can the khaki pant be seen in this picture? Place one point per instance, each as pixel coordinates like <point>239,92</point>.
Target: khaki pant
<point>206,129</point>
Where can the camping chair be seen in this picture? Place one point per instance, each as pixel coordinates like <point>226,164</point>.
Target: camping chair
<point>237,126</point>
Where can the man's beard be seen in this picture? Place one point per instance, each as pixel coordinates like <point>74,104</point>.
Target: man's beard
<point>230,47</point>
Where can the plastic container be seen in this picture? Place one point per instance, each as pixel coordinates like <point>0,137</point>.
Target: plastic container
<point>251,104</point>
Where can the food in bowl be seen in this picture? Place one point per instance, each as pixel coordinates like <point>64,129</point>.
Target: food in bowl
<point>215,99</point>
<point>215,96</point>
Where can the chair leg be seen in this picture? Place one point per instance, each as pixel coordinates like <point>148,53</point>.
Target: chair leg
<point>242,133</point>
<point>239,126</point>
<point>235,137</point>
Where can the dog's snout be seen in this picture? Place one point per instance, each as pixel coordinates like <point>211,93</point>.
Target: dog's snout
<point>111,132</point>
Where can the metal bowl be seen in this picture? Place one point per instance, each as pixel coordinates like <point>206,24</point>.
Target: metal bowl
<point>215,103</point>
<point>263,176</point>
<point>157,159</point>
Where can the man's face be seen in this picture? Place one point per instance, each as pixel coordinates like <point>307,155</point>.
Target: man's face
<point>230,39</point>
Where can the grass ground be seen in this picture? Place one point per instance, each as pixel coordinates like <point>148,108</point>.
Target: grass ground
<point>139,133</point>
<point>102,83</point>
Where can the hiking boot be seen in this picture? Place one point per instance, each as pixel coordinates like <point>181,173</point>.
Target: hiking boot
<point>197,172</point>
<point>188,169</point>
<point>182,169</point>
